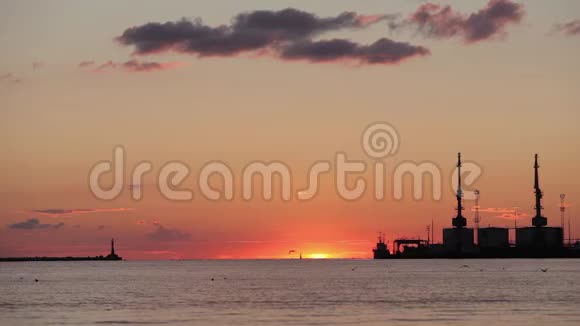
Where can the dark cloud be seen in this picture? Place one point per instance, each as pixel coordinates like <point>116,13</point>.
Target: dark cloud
<point>571,28</point>
<point>136,66</point>
<point>443,22</point>
<point>9,78</point>
<point>37,65</point>
<point>286,34</point>
<point>34,224</point>
<point>60,212</point>
<point>290,24</point>
<point>88,63</point>
<point>383,51</point>
<point>106,65</point>
<point>133,66</point>
<point>248,31</point>
<point>164,234</point>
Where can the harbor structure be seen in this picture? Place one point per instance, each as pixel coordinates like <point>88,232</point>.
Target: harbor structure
<point>459,238</point>
<point>537,241</point>
<point>113,255</point>
<point>539,237</point>
<point>381,251</point>
<point>493,238</point>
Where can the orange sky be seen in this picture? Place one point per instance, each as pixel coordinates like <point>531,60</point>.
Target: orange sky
<point>498,100</point>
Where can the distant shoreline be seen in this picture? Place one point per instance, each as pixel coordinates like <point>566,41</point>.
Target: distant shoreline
<point>96,258</point>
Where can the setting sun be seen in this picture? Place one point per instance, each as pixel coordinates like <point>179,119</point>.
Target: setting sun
<point>319,256</point>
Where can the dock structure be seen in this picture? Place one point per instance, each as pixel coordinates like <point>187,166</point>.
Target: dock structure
<point>536,241</point>
<point>381,251</point>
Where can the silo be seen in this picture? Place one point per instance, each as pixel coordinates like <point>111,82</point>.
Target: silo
<point>540,238</point>
<point>493,237</point>
<point>458,240</point>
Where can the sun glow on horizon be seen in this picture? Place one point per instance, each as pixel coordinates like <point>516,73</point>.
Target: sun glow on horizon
<point>319,256</point>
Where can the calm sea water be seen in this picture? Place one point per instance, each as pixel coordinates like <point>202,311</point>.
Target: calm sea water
<point>292,292</point>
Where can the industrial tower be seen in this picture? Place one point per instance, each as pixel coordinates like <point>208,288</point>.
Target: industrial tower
<point>562,210</point>
<point>459,221</point>
<point>458,240</point>
<point>539,238</point>
<point>476,218</point>
<point>538,220</point>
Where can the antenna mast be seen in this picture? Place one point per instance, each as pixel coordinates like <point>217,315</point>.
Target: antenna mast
<point>476,219</point>
<point>538,220</point>
<point>432,227</point>
<point>562,209</point>
<point>569,230</point>
<point>459,221</point>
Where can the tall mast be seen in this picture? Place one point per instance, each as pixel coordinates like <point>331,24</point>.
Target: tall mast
<point>432,234</point>
<point>538,220</point>
<point>476,219</point>
<point>537,188</point>
<point>112,246</point>
<point>562,209</point>
<point>459,221</point>
<point>459,192</point>
<point>569,231</point>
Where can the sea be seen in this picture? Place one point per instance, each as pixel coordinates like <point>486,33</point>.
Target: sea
<point>292,292</point>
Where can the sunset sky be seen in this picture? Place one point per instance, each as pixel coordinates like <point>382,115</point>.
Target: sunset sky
<point>245,81</point>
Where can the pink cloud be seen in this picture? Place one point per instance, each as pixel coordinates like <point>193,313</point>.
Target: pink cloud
<point>366,20</point>
<point>513,216</point>
<point>433,20</point>
<point>37,65</point>
<point>9,78</point>
<point>494,210</point>
<point>56,212</point>
<point>84,64</point>
<point>571,28</point>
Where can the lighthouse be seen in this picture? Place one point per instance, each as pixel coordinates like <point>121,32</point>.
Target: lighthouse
<point>112,247</point>
<point>113,255</point>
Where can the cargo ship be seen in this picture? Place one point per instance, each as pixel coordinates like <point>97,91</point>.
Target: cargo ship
<point>536,241</point>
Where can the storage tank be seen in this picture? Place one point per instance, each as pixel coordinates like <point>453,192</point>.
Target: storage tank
<point>540,237</point>
<point>458,240</point>
<point>492,237</point>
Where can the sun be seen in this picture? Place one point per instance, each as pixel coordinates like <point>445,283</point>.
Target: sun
<point>319,256</point>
